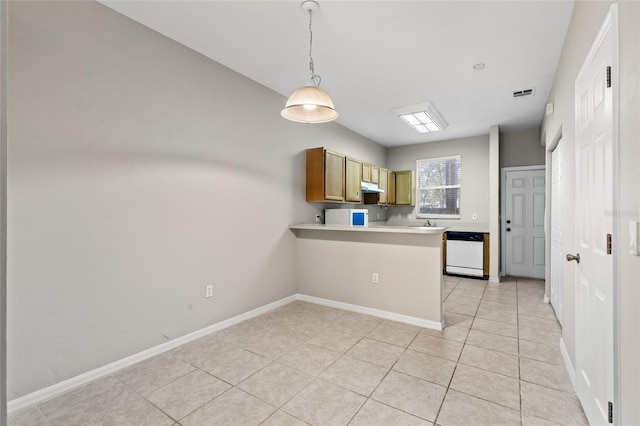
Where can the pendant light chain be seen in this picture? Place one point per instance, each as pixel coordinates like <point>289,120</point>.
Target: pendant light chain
<point>316,79</point>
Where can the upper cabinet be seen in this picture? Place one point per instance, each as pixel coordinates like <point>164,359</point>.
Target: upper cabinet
<point>375,174</point>
<point>332,176</point>
<point>391,184</point>
<point>325,175</point>
<point>366,172</point>
<point>383,181</point>
<point>353,182</point>
<point>405,188</point>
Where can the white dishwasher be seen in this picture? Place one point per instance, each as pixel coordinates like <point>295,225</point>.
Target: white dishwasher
<point>465,253</point>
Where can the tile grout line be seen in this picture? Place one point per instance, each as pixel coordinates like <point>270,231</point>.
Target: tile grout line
<point>519,366</point>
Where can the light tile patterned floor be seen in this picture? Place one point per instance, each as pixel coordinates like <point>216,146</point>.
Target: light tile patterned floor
<point>498,362</point>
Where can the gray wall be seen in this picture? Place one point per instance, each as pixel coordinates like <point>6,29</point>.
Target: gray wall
<point>521,148</point>
<point>585,23</point>
<point>3,212</point>
<point>474,198</point>
<point>409,267</point>
<point>139,172</point>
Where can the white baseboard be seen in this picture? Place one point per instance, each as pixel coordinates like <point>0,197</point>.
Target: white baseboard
<point>545,299</point>
<point>83,379</point>
<point>494,280</point>
<point>373,312</point>
<point>568,364</point>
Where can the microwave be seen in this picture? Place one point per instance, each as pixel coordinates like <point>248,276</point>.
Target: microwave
<point>346,217</point>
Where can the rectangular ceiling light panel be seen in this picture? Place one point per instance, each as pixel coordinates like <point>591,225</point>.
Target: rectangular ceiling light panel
<point>423,118</point>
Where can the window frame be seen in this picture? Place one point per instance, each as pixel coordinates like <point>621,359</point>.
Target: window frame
<point>419,188</point>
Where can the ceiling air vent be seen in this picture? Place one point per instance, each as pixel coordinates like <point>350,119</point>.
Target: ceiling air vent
<point>523,93</point>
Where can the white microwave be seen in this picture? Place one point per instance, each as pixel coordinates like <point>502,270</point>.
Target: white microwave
<point>346,217</point>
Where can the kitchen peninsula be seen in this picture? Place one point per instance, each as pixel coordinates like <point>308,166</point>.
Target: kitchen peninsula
<point>337,266</point>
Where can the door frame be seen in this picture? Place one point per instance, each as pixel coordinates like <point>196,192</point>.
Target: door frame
<point>503,210</point>
<point>552,204</point>
<point>3,211</point>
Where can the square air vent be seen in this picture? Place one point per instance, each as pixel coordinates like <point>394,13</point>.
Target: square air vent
<point>524,93</point>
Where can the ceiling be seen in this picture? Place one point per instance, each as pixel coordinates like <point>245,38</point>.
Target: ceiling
<point>377,55</point>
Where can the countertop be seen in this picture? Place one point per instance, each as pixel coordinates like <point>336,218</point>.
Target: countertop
<point>432,230</point>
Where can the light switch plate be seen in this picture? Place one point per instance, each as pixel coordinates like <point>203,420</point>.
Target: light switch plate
<point>633,238</point>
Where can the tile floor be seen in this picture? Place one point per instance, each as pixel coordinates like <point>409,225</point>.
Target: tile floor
<point>497,363</point>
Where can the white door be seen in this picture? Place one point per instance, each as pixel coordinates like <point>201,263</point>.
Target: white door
<point>594,221</point>
<point>557,252</point>
<point>523,225</point>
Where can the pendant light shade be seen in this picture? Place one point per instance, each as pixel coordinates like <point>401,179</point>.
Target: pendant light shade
<point>310,104</point>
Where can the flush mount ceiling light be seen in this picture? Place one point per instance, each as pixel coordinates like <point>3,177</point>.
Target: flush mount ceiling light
<point>309,104</point>
<point>423,118</point>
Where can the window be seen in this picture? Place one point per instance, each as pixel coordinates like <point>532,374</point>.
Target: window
<point>439,187</point>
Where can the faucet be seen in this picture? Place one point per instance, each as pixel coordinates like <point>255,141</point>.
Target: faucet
<point>428,223</point>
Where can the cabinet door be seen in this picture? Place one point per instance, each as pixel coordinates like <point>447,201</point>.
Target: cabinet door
<point>405,188</point>
<point>354,180</point>
<point>391,184</point>
<point>366,172</point>
<point>374,174</point>
<point>383,184</point>
<point>333,176</point>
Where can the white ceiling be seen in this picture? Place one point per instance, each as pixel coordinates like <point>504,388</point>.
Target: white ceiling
<point>377,55</point>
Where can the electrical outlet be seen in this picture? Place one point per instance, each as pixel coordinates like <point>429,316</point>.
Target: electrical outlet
<point>474,216</point>
<point>208,291</point>
<point>376,278</point>
<point>318,218</point>
<point>408,215</point>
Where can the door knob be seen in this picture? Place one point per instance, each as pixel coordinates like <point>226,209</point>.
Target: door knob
<point>571,257</point>
<point>508,229</point>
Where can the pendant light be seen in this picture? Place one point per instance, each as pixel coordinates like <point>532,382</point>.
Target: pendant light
<point>310,104</point>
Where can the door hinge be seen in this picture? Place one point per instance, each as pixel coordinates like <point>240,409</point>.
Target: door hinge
<point>608,243</point>
<point>610,412</point>
<point>608,77</point>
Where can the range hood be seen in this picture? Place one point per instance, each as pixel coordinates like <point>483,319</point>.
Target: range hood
<point>370,188</point>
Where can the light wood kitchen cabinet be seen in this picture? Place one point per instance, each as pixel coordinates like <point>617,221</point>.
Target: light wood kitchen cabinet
<point>383,184</point>
<point>353,183</point>
<point>391,184</point>
<point>325,175</point>
<point>405,188</point>
<point>366,172</point>
<point>375,174</point>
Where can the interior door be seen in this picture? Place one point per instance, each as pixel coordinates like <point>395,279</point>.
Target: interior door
<point>594,222</point>
<point>524,223</point>
<point>557,251</point>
